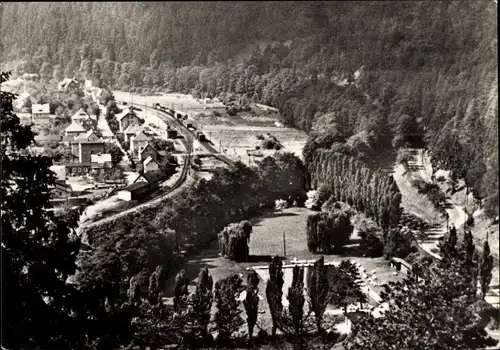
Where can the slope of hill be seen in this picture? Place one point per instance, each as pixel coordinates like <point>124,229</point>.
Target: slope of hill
<point>428,67</point>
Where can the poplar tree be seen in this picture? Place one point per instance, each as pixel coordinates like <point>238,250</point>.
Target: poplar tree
<point>318,289</point>
<point>251,301</point>
<point>274,291</point>
<point>486,267</point>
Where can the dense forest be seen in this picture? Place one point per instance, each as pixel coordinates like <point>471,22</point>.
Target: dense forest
<point>360,76</point>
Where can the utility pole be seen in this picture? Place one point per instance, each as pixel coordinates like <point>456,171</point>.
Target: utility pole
<point>284,245</point>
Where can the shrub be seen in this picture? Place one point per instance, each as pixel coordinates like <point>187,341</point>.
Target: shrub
<point>371,244</point>
<point>227,318</point>
<point>441,179</point>
<point>327,231</point>
<point>400,243</point>
<point>233,240</point>
<point>432,191</point>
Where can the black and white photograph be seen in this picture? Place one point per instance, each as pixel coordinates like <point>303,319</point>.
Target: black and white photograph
<point>272,175</point>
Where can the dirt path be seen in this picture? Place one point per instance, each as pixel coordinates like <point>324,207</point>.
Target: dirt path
<point>420,168</point>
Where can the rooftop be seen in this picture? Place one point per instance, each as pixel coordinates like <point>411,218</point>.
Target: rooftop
<point>135,186</point>
<point>37,108</point>
<point>149,160</point>
<point>100,158</point>
<point>132,129</point>
<point>126,112</point>
<point>81,114</point>
<point>48,138</point>
<point>141,136</point>
<point>75,127</point>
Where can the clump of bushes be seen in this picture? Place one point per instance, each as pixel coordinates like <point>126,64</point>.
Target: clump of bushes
<point>399,242</point>
<point>432,191</point>
<point>233,240</point>
<point>269,142</point>
<point>371,236</point>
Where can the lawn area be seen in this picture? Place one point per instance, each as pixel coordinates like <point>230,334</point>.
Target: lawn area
<point>267,240</point>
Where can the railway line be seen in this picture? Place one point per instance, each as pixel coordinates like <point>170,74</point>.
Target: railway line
<point>188,143</point>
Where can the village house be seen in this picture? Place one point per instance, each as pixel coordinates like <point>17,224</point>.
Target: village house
<point>147,151</point>
<point>130,131</point>
<point>90,135</point>
<point>73,130</point>
<point>83,149</point>
<point>62,189</point>
<point>81,116</point>
<point>138,142</point>
<point>68,84</point>
<point>126,118</point>
<point>144,184</point>
<point>78,169</point>
<point>150,164</point>
<point>40,114</point>
<point>99,163</point>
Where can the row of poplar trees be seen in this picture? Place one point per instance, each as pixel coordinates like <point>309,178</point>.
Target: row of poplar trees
<point>194,311</point>
<point>349,180</point>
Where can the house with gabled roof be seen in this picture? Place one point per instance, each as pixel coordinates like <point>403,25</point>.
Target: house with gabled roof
<point>90,135</point>
<point>40,113</point>
<point>139,141</point>
<point>126,118</point>
<point>80,116</point>
<point>152,177</point>
<point>68,84</point>
<point>150,164</point>
<point>74,129</point>
<point>130,131</point>
<point>147,151</point>
<point>100,162</point>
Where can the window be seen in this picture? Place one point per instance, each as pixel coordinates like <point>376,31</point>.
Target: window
<point>79,170</point>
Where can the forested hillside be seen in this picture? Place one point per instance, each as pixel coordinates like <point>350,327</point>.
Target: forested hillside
<point>360,76</point>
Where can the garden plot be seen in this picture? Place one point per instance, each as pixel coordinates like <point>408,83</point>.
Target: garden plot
<point>235,141</point>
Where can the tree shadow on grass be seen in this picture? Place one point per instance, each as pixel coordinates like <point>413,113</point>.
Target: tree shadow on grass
<point>270,215</point>
<point>260,258</point>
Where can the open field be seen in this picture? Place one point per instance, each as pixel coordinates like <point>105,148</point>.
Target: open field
<point>234,135</point>
<point>181,102</point>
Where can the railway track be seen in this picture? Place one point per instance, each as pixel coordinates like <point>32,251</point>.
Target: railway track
<point>188,143</point>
